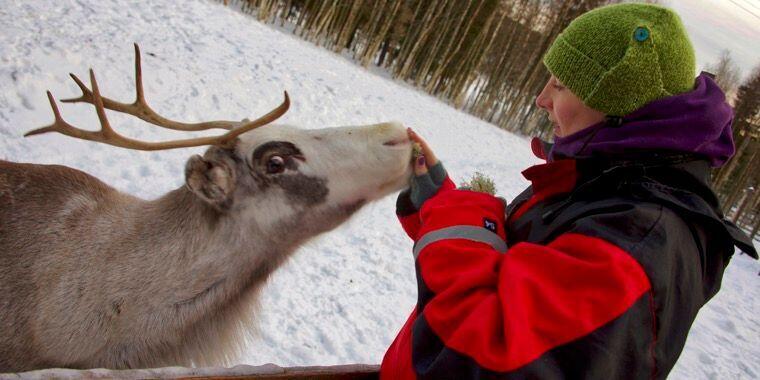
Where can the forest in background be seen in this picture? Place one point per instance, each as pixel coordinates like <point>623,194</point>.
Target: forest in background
<point>484,57</point>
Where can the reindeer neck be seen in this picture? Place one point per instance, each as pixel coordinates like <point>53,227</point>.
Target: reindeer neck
<point>179,214</point>
<point>207,258</point>
<point>186,229</point>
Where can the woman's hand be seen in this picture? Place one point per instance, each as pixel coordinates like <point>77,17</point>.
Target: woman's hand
<point>427,158</point>
<point>429,174</point>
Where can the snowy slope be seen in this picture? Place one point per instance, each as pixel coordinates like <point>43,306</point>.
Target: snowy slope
<point>343,297</point>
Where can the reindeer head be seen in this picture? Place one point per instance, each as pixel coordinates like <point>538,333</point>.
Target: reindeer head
<point>278,173</point>
<point>266,175</point>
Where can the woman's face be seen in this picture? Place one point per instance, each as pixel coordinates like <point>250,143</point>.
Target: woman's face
<point>567,113</point>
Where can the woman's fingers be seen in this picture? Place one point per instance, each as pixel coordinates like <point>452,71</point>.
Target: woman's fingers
<point>430,157</point>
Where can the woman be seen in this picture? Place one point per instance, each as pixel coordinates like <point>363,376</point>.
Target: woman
<point>599,268</point>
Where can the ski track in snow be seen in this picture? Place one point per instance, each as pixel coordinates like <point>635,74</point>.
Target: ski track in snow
<point>342,298</point>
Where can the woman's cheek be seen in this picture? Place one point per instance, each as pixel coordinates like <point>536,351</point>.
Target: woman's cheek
<point>565,119</point>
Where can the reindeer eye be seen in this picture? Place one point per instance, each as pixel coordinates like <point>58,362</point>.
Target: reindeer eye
<point>275,164</point>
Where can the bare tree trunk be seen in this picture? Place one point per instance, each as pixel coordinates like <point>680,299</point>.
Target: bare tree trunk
<point>483,53</point>
<point>313,9</point>
<point>286,14</point>
<point>349,27</point>
<point>324,19</point>
<point>756,214</point>
<point>748,195</point>
<point>266,8</point>
<point>427,28</point>
<point>336,24</point>
<point>302,16</point>
<point>372,47</point>
<point>507,62</point>
<point>739,187</point>
<point>463,75</point>
<point>725,172</point>
<point>410,37</point>
<point>375,15</point>
<point>449,53</point>
<point>432,55</point>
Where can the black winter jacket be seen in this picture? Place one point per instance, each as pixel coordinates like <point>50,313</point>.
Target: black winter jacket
<point>605,267</point>
<point>662,212</point>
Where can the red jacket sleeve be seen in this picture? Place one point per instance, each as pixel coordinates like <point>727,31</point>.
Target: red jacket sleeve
<point>504,309</point>
<point>410,217</point>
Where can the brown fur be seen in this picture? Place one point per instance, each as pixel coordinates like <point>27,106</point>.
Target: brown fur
<point>91,277</point>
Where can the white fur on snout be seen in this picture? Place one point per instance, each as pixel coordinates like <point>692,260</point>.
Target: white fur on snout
<point>354,161</point>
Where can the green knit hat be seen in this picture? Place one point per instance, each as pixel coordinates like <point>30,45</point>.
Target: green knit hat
<point>620,57</point>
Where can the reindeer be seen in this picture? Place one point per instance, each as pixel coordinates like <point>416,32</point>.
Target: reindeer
<point>92,277</point>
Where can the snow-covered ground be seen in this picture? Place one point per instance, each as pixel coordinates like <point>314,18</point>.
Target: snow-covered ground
<point>343,297</point>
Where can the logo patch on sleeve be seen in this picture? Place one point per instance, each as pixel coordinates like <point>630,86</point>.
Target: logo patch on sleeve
<point>489,225</point>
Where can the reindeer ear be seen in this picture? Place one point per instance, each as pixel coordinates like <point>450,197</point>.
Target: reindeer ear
<point>212,181</point>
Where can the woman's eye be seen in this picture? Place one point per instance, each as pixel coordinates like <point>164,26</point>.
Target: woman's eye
<point>275,164</point>
<point>559,87</point>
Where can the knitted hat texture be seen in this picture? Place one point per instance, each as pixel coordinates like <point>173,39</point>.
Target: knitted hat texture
<point>620,57</point>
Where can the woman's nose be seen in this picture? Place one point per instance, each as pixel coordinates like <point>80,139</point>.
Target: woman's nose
<point>543,100</point>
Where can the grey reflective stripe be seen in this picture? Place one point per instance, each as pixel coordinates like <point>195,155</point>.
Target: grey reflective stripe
<point>473,233</point>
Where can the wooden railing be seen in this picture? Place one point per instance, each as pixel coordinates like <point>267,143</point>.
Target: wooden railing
<point>268,372</point>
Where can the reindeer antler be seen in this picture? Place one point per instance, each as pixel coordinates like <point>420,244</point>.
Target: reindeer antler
<point>141,110</point>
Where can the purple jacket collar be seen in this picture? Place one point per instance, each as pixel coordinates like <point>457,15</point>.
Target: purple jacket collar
<point>698,122</point>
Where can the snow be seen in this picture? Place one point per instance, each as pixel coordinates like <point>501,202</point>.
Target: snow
<point>342,298</point>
